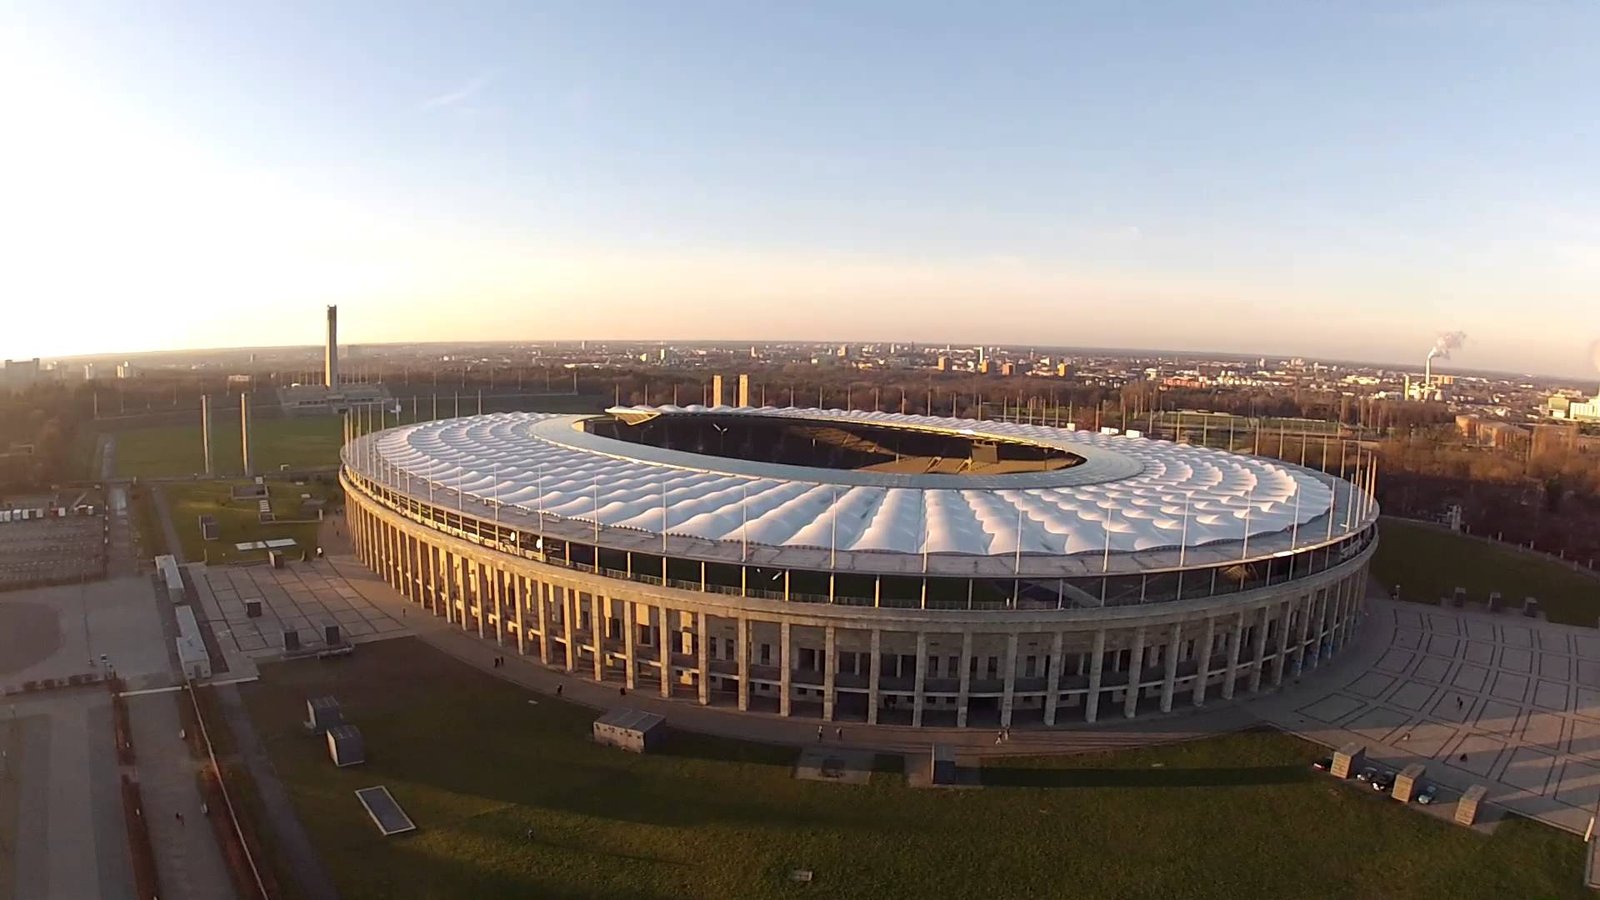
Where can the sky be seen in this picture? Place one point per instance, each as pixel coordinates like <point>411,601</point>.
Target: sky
<point>1323,179</point>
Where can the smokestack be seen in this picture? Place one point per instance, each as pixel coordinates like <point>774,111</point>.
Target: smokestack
<point>205,430</point>
<point>244,431</point>
<point>330,362</point>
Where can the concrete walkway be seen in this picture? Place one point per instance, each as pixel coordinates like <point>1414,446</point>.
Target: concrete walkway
<point>71,842</point>
<point>187,856</point>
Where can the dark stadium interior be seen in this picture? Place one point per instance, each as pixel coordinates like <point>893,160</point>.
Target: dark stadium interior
<point>834,445</point>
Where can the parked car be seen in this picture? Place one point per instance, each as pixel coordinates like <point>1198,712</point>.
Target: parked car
<point>1324,764</point>
<point>1367,774</point>
<point>1383,782</point>
<point>1427,793</point>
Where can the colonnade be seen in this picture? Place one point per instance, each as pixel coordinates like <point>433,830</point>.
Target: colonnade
<point>845,663</point>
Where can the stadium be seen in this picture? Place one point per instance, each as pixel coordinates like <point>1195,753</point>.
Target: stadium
<point>866,566</point>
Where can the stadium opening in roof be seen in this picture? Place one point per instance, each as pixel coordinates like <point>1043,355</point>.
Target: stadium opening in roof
<point>868,566</point>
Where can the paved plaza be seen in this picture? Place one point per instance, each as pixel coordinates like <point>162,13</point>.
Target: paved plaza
<point>1500,700</point>
<point>303,596</point>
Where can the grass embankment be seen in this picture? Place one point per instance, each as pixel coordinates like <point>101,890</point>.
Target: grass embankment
<point>239,520</point>
<point>512,800</point>
<point>1430,562</point>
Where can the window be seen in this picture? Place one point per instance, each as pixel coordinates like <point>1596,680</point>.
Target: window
<point>766,654</point>
<point>1028,666</point>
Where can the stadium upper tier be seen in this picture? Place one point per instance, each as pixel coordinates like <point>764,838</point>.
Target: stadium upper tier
<point>1109,494</point>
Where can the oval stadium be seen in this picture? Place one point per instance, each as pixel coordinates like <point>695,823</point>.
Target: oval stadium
<point>867,566</point>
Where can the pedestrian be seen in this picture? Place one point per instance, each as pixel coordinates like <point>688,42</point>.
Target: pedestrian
<point>622,691</point>
<point>999,738</point>
<point>1463,757</point>
<point>559,688</point>
<point>204,809</point>
<point>1458,703</point>
<point>838,734</point>
<point>819,734</point>
<point>180,817</point>
<point>1007,733</point>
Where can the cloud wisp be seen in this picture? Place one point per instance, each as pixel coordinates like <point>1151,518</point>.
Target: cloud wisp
<point>458,96</point>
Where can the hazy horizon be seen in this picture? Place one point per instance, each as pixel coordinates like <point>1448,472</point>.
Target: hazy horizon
<point>1328,181</point>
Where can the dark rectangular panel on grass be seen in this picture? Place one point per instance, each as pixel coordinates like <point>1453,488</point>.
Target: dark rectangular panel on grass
<point>385,812</point>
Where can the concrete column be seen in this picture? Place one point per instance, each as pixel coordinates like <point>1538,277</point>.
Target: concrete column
<point>1091,703</point>
<point>1282,662</point>
<point>1202,673</point>
<point>1235,638</point>
<point>743,642</point>
<point>599,609</point>
<point>628,644</point>
<point>1260,663</point>
<point>1130,700</point>
<point>786,666</point>
<point>966,679</point>
<point>497,592</point>
<point>1169,681</point>
<point>480,588</point>
<point>1010,688</point>
<point>917,698</point>
<point>1305,630</point>
<point>664,644</point>
<point>521,600</point>
<point>829,642</point>
<point>1053,682</point>
<point>1353,599</point>
<point>1322,621</point>
<point>461,592</point>
<point>541,596</point>
<point>569,614</point>
<point>703,646</point>
<point>875,671</point>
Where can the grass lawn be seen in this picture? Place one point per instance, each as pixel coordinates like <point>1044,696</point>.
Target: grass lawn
<point>240,520</point>
<point>174,450</point>
<point>478,768</point>
<point>1429,562</point>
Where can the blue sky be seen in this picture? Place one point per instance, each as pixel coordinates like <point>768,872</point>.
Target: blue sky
<point>1325,179</point>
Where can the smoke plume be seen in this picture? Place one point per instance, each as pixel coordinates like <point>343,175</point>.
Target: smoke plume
<point>1447,341</point>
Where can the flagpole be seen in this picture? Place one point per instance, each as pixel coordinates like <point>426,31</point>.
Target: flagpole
<point>1249,505</point>
<point>833,535</point>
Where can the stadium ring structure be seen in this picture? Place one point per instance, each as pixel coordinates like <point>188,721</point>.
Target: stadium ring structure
<point>865,566</point>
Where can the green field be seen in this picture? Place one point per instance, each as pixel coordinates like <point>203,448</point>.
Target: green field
<point>240,520</point>
<point>513,801</point>
<point>1429,562</point>
<point>175,451</point>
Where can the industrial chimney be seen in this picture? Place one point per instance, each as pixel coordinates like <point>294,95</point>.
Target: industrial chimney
<point>330,362</point>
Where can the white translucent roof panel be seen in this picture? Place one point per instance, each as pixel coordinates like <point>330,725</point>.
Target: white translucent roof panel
<point>1131,493</point>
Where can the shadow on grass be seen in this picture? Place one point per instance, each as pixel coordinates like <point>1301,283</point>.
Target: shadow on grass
<point>1003,776</point>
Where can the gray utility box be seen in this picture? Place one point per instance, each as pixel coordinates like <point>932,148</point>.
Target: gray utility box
<point>1407,783</point>
<point>1467,808</point>
<point>322,713</point>
<point>345,746</point>
<point>1347,760</point>
<point>630,729</point>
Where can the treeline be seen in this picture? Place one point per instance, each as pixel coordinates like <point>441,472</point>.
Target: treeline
<point>38,428</point>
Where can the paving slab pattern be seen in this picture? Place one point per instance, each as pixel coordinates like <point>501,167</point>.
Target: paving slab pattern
<point>1477,697</point>
<point>303,596</point>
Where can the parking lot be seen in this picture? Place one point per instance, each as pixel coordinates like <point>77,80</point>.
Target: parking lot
<point>52,551</point>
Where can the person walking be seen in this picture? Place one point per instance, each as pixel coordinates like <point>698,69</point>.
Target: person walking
<point>819,734</point>
<point>838,734</point>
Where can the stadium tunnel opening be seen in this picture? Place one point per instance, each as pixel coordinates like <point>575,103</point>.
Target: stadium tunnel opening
<point>841,445</point>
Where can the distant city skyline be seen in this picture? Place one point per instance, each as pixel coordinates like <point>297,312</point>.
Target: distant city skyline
<point>1293,179</point>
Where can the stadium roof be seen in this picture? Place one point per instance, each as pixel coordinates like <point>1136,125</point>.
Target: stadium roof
<point>1132,494</point>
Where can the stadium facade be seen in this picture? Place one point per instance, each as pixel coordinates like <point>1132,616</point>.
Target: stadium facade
<point>857,566</point>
